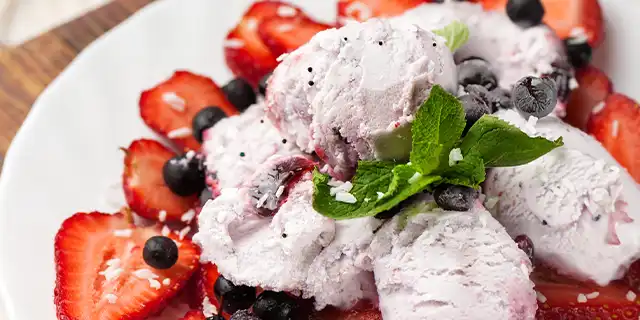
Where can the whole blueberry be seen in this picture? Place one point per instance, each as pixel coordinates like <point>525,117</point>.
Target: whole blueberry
<point>262,85</point>
<point>495,99</point>
<point>534,96</point>
<point>474,108</point>
<point>525,244</point>
<point>240,93</point>
<point>205,119</point>
<point>579,51</point>
<point>232,297</point>
<point>525,13</point>
<point>272,305</point>
<point>184,174</point>
<point>160,252</point>
<point>454,197</point>
<point>476,71</point>
<point>243,315</point>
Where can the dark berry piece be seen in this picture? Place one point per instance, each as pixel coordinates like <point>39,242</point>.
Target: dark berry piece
<point>525,244</point>
<point>525,13</point>
<point>160,252</point>
<point>205,196</point>
<point>240,93</point>
<point>455,198</point>
<point>534,96</point>
<point>562,75</point>
<point>233,297</point>
<point>243,315</point>
<point>476,71</point>
<point>275,306</point>
<point>474,108</point>
<point>495,99</point>
<point>205,119</point>
<point>262,85</point>
<point>215,317</point>
<point>579,52</point>
<point>184,174</point>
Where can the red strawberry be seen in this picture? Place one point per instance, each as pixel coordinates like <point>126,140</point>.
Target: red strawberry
<point>245,53</point>
<point>617,127</point>
<point>561,298</point>
<point>594,88</point>
<point>207,279</point>
<point>285,34</point>
<point>87,245</point>
<point>144,186</point>
<point>565,16</point>
<point>362,311</point>
<point>194,315</point>
<point>361,10</point>
<point>169,107</point>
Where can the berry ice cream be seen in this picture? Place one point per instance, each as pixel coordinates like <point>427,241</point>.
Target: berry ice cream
<point>576,204</point>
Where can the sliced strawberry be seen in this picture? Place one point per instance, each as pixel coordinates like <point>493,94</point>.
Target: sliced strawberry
<point>206,280</point>
<point>144,186</point>
<point>194,315</point>
<point>566,17</point>
<point>98,261</point>
<point>561,298</point>
<point>245,53</point>
<point>169,107</point>
<point>285,34</point>
<point>362,311</point>
<point>594,87</point>
<point>362,10</point>
<point>617,127</point>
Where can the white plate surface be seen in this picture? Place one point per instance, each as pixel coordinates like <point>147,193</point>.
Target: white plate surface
<point>65,158</point>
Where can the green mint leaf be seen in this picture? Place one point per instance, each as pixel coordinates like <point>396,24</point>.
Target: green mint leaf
<point>456,34</point>
<point>437,127</point>
<point>470,171</point>
<point>501,144</point>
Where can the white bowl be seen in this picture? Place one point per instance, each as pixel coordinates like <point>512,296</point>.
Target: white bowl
<point>65,158</point>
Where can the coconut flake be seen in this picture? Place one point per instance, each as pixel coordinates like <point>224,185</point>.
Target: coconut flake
<point>179,133</point>
<point>279,59</point>
<point>631,296</point>
<point>188,216</point>
<point>111,298</point>
<point>234,43</point>
<point>582,298</point>
<point>280,191</point>
<point>174,101</point>
<point>342,187</point>
<point>454,156</point>
<point>573,84</point>
<point>155,284</point>
<point>593,295</point>
<point>165,231</point>
<point>262,200</point>
<point>162,216</point>
<point>166,281</point>
<point>183,233</point>
<point>123,233</point>
<point>145,274</point>
<point>380,195</point>
<point>598,108</point>
<point>541,297</point>
<point>345,197</point>
<point>208,308</point>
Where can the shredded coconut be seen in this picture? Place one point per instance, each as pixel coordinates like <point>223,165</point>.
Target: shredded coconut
<point>631,296</point>
<point>454,156</point>
<point>162,216</point>
<point>166,281</point>
<point>145,274</point>
<point>598,108</point>
<point>179,133</point>
<point>582,298</point>
<point>174,101</point>
<point>188,216</point>
<point>262,200</point>
<point>573,84</point>
<point>183,233</point>
<point>380,195</point>
<point>123,233</point>
<point>593,295</point>
<point>345,197</point>
<point>208,308</point>
<point>165,231</point>
<point>155,284</point>
<point>279,191</point>
<point>342,187</point>
<point>541,297</point>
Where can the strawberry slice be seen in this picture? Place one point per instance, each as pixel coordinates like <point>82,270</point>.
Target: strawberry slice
<point>566,17</point>
<point>245,53</point>
<point>562,298</point>
<point>362,311</point>
<point>206,280</point>
<point>285,34</point>
<point>362,10</point>
<point>194,315</point>
<point>144,186</point>
<point>169,107</point>
<point>100,273</point>
<point>594,88</point>
<point>617,127</point>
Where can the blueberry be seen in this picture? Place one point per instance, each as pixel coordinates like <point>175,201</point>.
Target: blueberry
<point>205,196</point>
<point>495,99</point>
<point>534,96</point>
<point>476,71</point>
<point>262,85</point>
<point>184,174</point>
<point>160,252</point>
<point>525,13</point>
<point>243,315</point>
<point>562,74</point>
<point>474,108</point>
<point>525,244</point>
<point>455,198</point>
<point>205,119</point>
<point>240,93</point>
<point>233,297</point>
<point>275,306</point>
<point>579,52</point>
<point>215,317</point>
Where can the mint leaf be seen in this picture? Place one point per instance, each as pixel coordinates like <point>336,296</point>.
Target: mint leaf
<point>437,127</point>
<point>456,34</point>
<point>501,144</point>
<point>469,172</point>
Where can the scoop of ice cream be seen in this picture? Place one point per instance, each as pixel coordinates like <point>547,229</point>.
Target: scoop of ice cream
<point>351,93</point>
<point>451,265</point>
<point>236,146</point>
<point>576,204</point>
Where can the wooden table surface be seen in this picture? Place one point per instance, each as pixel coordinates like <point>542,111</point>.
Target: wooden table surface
<point>26,70</point>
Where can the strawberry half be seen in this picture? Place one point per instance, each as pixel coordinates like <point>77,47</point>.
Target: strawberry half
<point>245,53</point>
<point>169,107</point>
<point>144,186</point>
<point>285,34</point>
<point>617,127</point>
<point>194,315</point>
<point>100,272</point>
<point>561,298</point>
<point>594,87</point>
<point>362,10</point>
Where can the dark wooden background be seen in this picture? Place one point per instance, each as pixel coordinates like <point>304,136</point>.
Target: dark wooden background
<point>27,69</point>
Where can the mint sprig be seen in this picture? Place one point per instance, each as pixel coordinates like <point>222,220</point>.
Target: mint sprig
<point>455,33</point>
<point>381,185</point>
